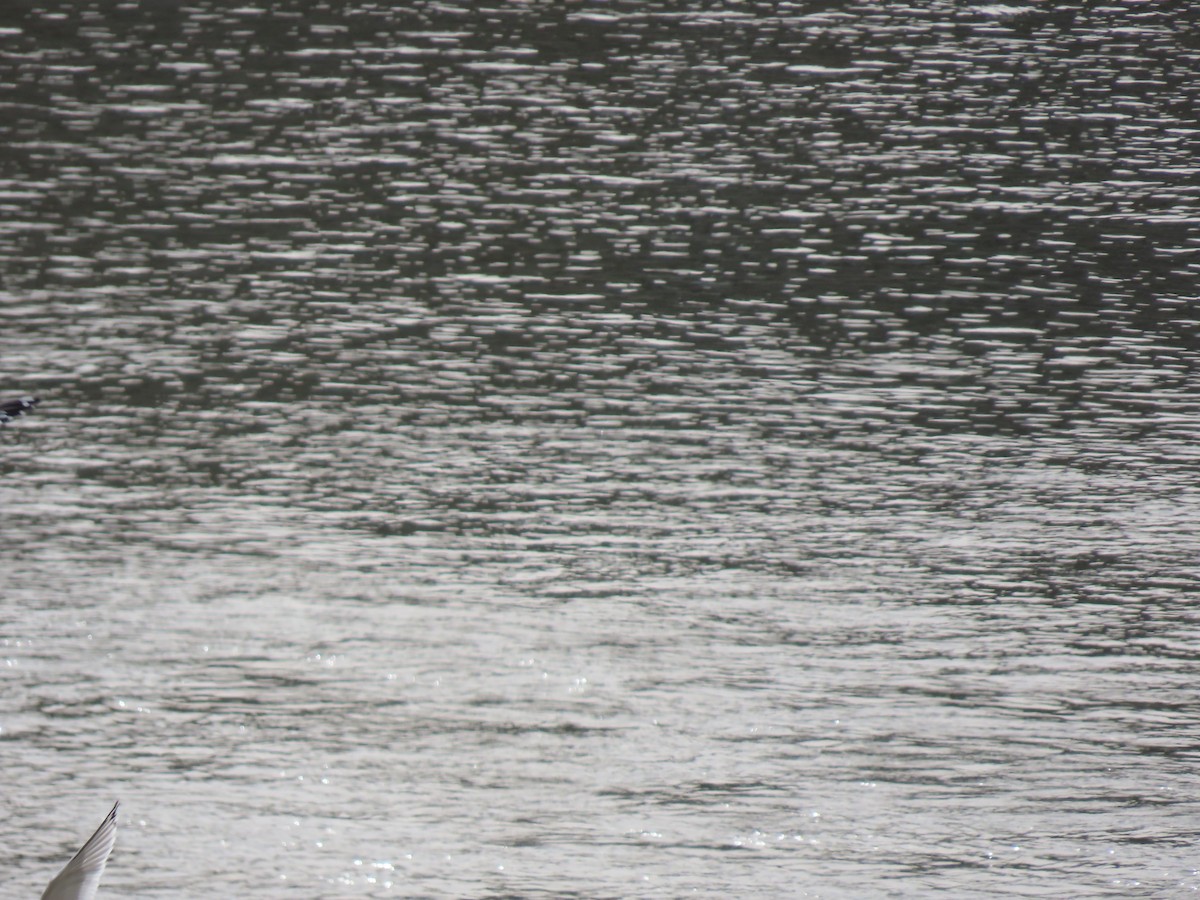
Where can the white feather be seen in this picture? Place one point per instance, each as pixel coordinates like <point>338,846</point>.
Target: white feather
<point>80,878</point>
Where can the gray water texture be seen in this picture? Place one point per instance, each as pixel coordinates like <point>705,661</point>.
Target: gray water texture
<point>601,450</point>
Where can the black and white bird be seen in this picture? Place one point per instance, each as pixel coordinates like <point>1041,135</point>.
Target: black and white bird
<point>10,409</point>
<point>80,878</point>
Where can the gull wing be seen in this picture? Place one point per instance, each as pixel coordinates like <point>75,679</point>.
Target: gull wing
<point>80,878</point>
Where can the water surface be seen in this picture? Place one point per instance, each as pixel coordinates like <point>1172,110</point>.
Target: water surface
<point>601,451</point>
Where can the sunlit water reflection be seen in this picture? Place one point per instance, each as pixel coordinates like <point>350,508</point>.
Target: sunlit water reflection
<point>601,452</point>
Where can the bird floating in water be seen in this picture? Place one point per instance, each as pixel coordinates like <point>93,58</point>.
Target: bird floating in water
<point>10,409</point>
<point>80,878</point>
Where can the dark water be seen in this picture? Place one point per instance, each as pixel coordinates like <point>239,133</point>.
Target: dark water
<point>602,450</point>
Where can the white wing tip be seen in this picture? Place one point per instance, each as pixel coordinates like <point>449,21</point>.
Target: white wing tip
<point>80,877</point>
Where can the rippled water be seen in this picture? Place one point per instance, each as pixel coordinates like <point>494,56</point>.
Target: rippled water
<point>602,450</point>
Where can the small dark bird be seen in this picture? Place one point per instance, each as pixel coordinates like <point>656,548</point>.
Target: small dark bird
<point>10,409</point>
